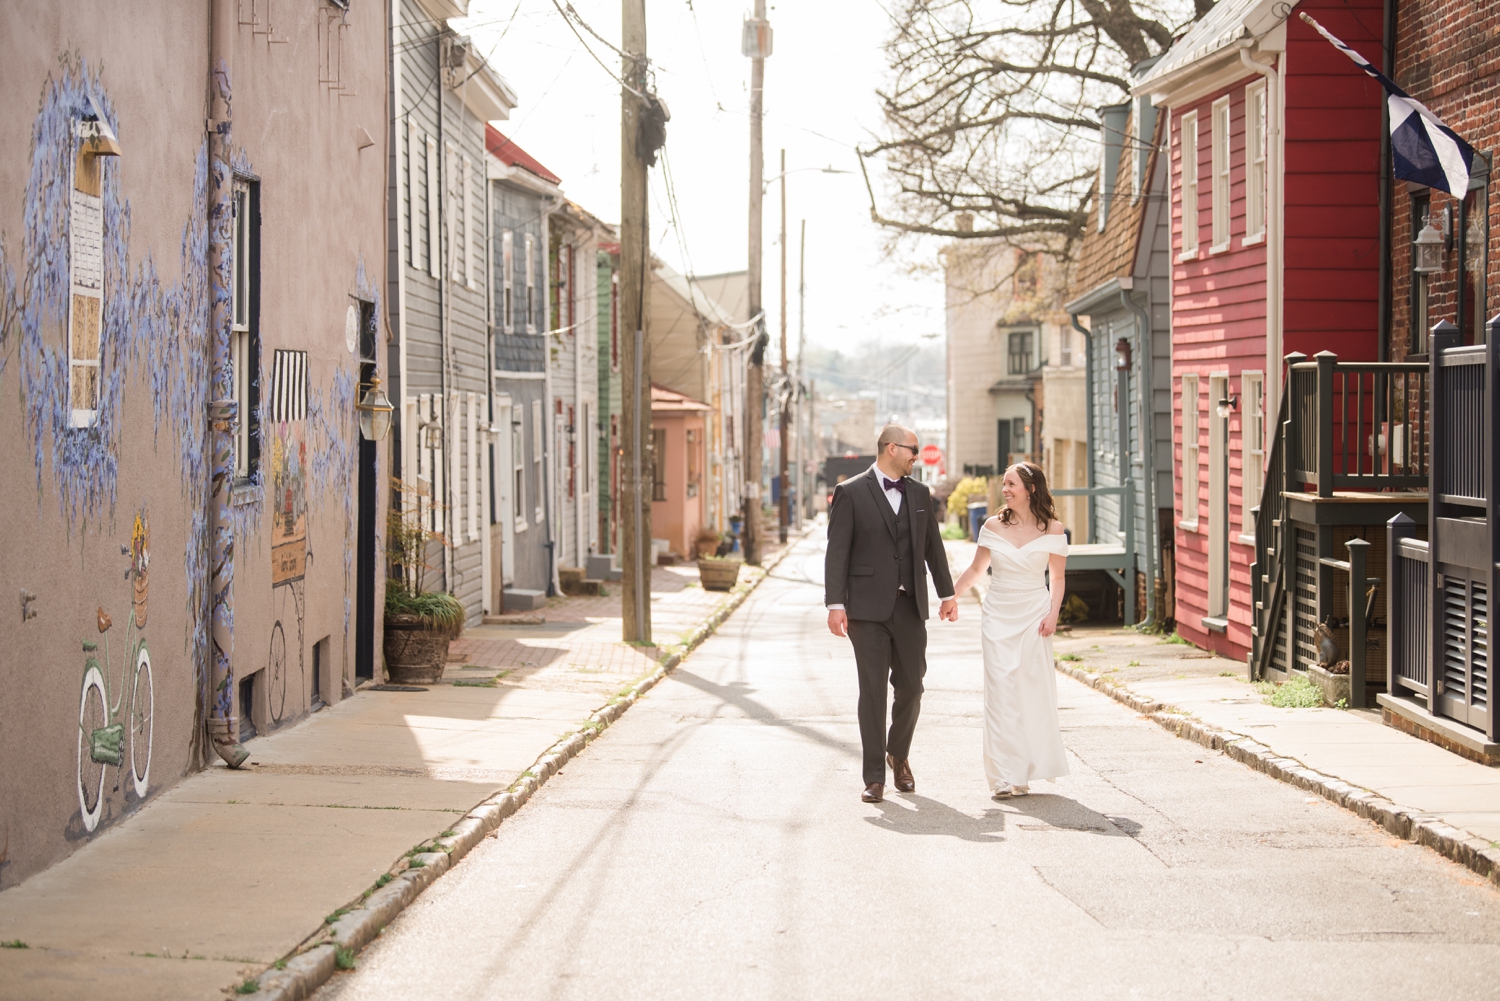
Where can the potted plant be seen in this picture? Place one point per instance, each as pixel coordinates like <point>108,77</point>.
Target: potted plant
<point>707,543</point>
<point>419,624</point>
<point>719,573</point>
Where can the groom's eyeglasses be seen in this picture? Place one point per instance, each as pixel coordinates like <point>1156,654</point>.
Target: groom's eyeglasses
<point>914,449</point>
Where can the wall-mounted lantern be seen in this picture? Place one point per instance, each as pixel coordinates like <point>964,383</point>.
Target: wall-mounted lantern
<point>374,412</point>
<point>1122,355</point>
<point>1428,249</point>
<point>1228,405</point>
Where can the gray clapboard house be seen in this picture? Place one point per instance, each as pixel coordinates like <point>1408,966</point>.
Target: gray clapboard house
<point>443,94</point>
<point>523,194</point>
<point>1121,305</point>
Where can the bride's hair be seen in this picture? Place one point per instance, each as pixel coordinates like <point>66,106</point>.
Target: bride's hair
<point>1035,482</point>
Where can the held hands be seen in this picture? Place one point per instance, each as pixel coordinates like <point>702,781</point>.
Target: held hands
<point>838,622</point>
<point>1048,626</point>
<point>948,611</point>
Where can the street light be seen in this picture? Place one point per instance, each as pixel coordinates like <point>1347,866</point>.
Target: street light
<point>830,169</point>
<point>374,412</point>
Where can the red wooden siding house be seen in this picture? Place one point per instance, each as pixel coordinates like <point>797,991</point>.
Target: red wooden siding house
<point>1274,153</point>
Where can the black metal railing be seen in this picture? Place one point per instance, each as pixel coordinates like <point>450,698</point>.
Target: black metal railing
<point>1356,425</point>
<point>1409,574</point>
<point>1266,591</point>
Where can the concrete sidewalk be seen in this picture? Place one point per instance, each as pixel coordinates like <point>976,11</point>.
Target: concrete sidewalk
<point>1436,788</point>
<point>230,871</point>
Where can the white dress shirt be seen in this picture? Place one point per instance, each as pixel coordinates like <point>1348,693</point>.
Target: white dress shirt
<point>893,498</point>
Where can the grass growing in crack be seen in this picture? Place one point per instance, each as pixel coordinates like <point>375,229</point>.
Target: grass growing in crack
<point>248,987</point>
<point>448,833</point>
<point>592,724</point>
<point>330,919</point>
<point>486,683</point>
<point>385,878</point>
<point>1175,639</point>
<point>14,943</point>
<point>280,964</point>
<point>1228,674</point>
<point>1070,656</point>
<point>1298,693</point>
<point>1134,663</point>
<point>344,959</point>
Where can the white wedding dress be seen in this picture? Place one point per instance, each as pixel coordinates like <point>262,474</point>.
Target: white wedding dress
<point>1022,740</point>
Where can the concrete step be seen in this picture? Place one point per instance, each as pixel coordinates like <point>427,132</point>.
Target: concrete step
<point>520,599</point>
<point>602,567</point>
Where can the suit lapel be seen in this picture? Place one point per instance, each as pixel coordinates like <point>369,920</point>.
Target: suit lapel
<point>881,504</point>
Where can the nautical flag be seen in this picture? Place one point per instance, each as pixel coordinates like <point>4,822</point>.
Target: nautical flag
<point>1424,149</point>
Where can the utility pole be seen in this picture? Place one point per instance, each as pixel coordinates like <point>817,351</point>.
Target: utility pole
<point>635,362</point>
<point>784,514</point>
<point>755,43</point>
<point>804,485</point>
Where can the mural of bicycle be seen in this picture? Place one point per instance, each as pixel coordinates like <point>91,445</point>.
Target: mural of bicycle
<point>115,719</point>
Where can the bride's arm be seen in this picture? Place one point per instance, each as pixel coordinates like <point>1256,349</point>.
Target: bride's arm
<point>1057,576</point>
<point>970,576</point>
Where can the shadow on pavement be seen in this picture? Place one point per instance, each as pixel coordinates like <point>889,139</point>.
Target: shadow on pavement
<point>929,817</point>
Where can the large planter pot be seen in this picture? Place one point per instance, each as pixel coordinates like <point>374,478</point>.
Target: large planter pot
<point>415,651</point>
<point>719,575</point>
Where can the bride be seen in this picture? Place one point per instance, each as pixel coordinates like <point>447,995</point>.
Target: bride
<point>1022,740</point>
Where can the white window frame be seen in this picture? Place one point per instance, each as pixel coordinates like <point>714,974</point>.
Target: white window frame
<point>1255,164</point>
<point>1192,465</point>
<point>507,280</point>
<point>1252,449</point>
<point>412,137</point>
<point>434,211</point>
<point>468,243</point>
<point>538,450</point>
<point>241,349</point>
<point>1188,157</point>
<point>471,453</point>
<point>452,214</point>
<point>530,283</point>
<point>518,464</point>
<point>1218,499</point>
<point>1222,162</point>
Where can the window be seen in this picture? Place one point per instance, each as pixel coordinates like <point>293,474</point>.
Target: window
<point>1255,162</point>
<point>693,463</point>
<point>244,346</point>
<point>1019,435</point>
<point>434,251</point>
<point>530,284</point>
<point>471,453</point>
<point>658,464</point>
<point>1019,355</point>
<point>1189,144</point>
<point>1253,446</point>
<point>466,248</point>
<point>518,459</point>
<point>507,278</point>
<point>86,282</point>
<point>452,202</point>
<point>412,141</point>
<point>572,455</point>
<point>538,447</point>
<point>1192,472</point>
<point>587,432</point>
<point>1144,128</point>
<point>1473,248</point>
<point>1219,197</point>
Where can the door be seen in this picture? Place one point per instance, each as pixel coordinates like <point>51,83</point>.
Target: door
<point>1002,445</point>
<point>507,463</point>
<point>366,562</point>
<point>1218,498</point>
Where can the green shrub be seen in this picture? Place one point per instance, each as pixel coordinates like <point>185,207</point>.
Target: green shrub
<point>968,488</point>
<point>1298,693</point>
<point>436,608</point>
<point>953,530</point>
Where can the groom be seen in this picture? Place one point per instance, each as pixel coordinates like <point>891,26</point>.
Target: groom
<point>882,530</point>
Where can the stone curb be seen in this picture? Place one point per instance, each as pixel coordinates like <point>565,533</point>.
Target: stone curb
<point>1408,824</point>
<point>306,971</point>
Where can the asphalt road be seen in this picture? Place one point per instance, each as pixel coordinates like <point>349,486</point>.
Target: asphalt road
<point>712,845</point>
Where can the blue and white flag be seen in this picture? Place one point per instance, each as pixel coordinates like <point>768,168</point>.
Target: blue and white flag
<point>1424,149</point>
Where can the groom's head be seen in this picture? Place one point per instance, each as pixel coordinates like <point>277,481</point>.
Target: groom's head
<point>896,450</point>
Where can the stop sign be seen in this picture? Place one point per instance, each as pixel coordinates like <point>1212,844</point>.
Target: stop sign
<point>931,455</point>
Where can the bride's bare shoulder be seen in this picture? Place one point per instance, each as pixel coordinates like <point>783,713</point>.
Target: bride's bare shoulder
<point>1056,528</point>
<point>993,523</point>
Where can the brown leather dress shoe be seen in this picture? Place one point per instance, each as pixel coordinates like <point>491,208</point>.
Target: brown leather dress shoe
<point>901,770</point>
<point>874,792</point>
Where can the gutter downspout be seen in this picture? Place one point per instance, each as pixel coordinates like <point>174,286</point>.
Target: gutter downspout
<point>223,411</point>
<point>1088,392</point>
<point>1145,341</point>
<point>438,243</point>
<point>549,420</point>
<point>1274,169</point>
<point>1387,194</point>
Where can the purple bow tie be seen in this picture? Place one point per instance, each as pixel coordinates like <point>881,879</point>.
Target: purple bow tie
<point>897,485</point>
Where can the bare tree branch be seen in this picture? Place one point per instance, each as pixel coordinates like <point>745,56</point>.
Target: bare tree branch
<point>991,125</point>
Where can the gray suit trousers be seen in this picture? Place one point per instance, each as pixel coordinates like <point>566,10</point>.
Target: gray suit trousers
<point>894,650</point>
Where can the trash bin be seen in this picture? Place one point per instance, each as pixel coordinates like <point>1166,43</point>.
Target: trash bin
<point>979,511</point>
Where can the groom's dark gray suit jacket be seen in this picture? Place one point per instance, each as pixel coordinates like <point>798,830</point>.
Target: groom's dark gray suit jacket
<point>862,568</point>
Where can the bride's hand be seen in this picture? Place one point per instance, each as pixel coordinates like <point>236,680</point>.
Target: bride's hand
<point>1048,626</point>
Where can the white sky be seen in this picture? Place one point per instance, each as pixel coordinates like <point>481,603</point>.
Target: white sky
<point>819,101</point>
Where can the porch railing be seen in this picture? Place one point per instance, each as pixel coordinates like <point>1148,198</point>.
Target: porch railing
<point>1267,592</point>
<point>1440,588</point>
<point>1356,425</point>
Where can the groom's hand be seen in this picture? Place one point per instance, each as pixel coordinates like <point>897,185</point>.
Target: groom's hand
<point>838,622</point>
<point>948,610</point>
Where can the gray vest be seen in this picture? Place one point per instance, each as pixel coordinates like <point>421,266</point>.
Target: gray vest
<point>906,574</point>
